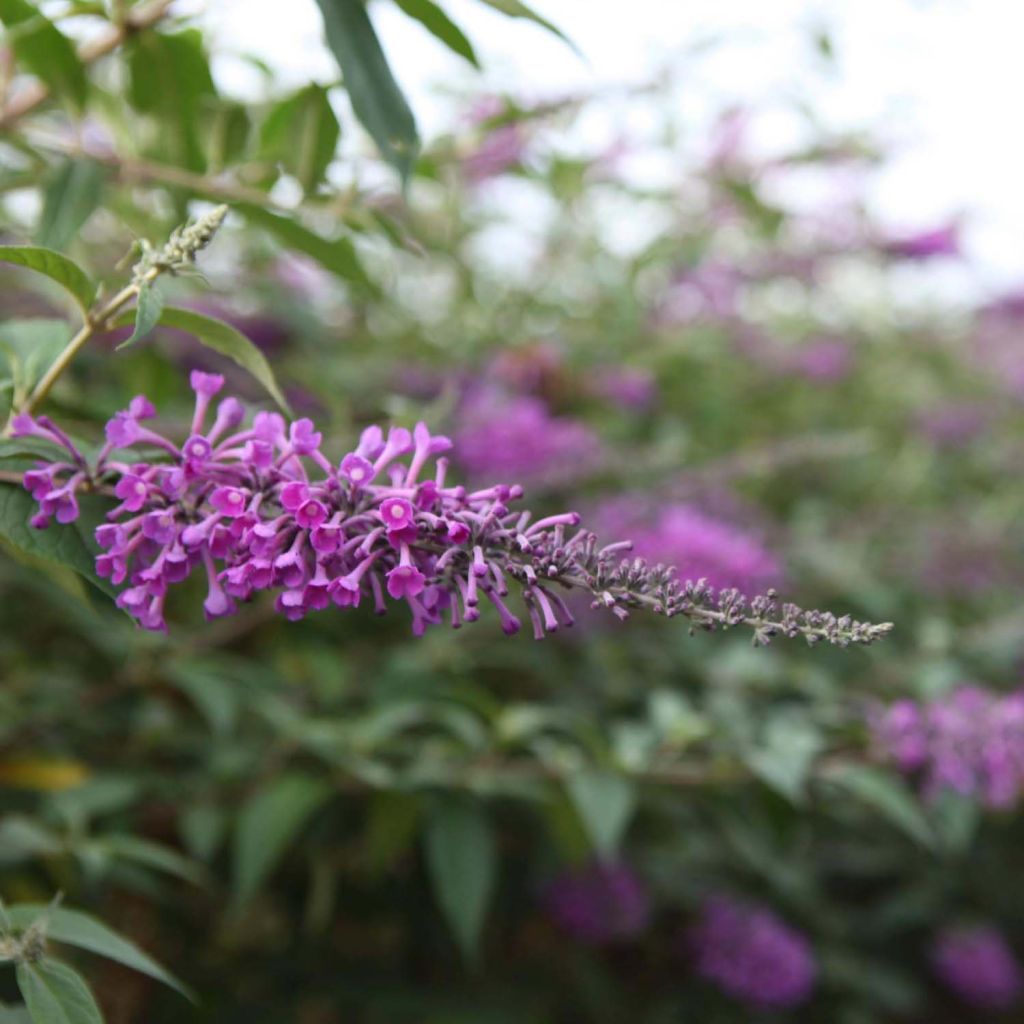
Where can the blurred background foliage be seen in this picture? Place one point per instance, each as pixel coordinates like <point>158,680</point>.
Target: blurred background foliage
<point>333,821</point>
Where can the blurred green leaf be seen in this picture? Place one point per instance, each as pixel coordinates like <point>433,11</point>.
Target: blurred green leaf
<point>56,994</point>
<point>269,821</point>
<point>29,347</point>
<point>202,828</point>
<point>14,1014</point>
<point>438,24</point>
<point>77,929</point>
<point>517,9</point>
<point>148,308</point>
<point>153,855</point>
<point>605,803</point>
<point>338,255</point>
<point>376,98</point>
<point>301,133</point>
<point>462,862</point>
<point>45,50</point>
<point>228,135</point>
<point>170,80</point>
<point>22,837</point>
<point>56,267</point>
<point>222,338</point>
<point>783,758</point>
<point>887,795</point>
<point>69,200</point>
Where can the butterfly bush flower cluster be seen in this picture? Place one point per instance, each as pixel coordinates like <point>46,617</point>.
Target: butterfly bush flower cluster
<point>752,955</point>
<point>599,904</point>
<point>979,966</point>
<point>260,507</point>
<point>969,741</point>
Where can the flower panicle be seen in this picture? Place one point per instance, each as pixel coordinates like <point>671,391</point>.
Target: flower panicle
<point>259,507</point>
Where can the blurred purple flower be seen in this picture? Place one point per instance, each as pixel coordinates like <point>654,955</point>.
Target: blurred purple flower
<point>628,386</point>
<point>696,544</point>
<point>500,149</point>
<point>599,904</point>
<point>498,434</point>
<point>969,741</point>
<point>751,954</point>
<point>827,360</point>
<point>979,966</point>
<point>953,424</point>
<point>303,276</point>
<point>923,245</point>
<point>709,291</point>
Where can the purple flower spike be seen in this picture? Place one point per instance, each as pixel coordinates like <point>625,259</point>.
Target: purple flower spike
<point>979,966</point>
<point>600,904</point>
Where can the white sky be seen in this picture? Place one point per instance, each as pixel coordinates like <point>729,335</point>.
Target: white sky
<point>940,81</point>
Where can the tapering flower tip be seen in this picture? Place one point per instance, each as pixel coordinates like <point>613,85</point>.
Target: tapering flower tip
<point>304,437</point>
<point>371,442</point>
<point>294,495</point>
<point>141,408</point>
<point>397,513</point>
<point>357,470</point>
<point>123,430</point>
<point>979,966</point>
<point>24,426</point>
<point>310,514</point>
<point>207,384</point>
<point>399,440</point>
<point>599,904</point>
<point>434,444</point>
<point>133,491</point>
<point>230,413</point>
<point>458,532</point>
<point>197,449</point>
<point>405,581</point>
<point>228,501</point>
<point>269,426</point>
<point>752,955</point>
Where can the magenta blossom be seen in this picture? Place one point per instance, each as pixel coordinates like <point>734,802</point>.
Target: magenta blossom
<point>599,904</point>
<point>979,966</point>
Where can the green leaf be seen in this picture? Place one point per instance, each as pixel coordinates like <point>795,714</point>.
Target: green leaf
<point>71,545</point>
<point>222,338</point>
<point>56,994</point>
<point>784,757</point>
<point>604,802</point>
<point>56,267</point>
<point>337,255</point>
<point>147,313</point>
<point>439,25</point>
<point>85,932</point>
<point>69,201</point>
<point>228,135</point>
<point>14,1014</point>
<point>268,822</point>
<point>301,133</point>
<point>29,347</point>
<point>376,98</point>
<point>886,794</point>
<point>517,9</point>
<point>45,51</point>
<point>462,862</point>
<point>170,80</point>
<point>153,855</point>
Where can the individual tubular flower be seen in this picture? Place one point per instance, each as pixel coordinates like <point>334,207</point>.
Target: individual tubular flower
<point>751,955</point>
<point>969,741</point>
<point>979,966</point>
<point>599,904</point>
<point>261,508</point>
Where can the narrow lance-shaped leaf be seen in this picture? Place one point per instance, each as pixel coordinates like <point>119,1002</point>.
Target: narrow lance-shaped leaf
<point>54,266</point>
<point>56,994</point>
<point>438,24</point>
<point>517,9</point>
<point>222,338</point>
<point>77,929</point>
<point>45,50</point>
<point>301,133</point>
<point>604,802</point>
<point>462,863</point>
<point>376,98</point>
<point>148,308</point>
<point>269,821</point>
<point>71,196</point>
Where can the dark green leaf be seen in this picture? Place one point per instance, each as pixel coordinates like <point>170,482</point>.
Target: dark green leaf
<point>56,267</point>
<point>887,795</point>
<point>221,337</point>
<point>69,200</point>
<point>517,9</point>
<point>154,855</point>
<point>147,313</point>
<point>376,98</point>
<point>44,50</point>
<point>301,133</point>
<point>337,255</point>
<point>170,80</point>
<point>268,822</point>
<point>228,135</point>
<point>29,347</point>
<point>438,24</point>
<point>77,929</point>
<point>462,863</point>
<point>70,545</point>
<point>56,994</point>
<point>14,1014</point>
<point>604,802</point>
<point>784,757</point>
